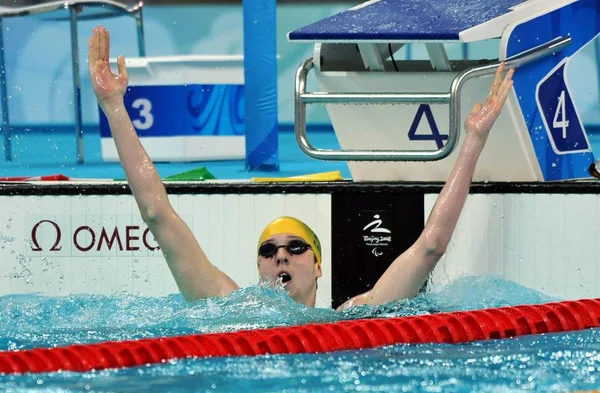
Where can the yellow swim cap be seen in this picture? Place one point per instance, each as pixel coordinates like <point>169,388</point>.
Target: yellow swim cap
<point>295,227</point>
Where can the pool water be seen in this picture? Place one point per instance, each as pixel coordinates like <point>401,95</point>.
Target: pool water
<point>542,363</point>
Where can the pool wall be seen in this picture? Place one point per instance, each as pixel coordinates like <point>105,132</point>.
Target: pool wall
<point>65,238</point>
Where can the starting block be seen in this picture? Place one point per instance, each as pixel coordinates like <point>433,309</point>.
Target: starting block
<point>184,108</point>
<point>401,120</point>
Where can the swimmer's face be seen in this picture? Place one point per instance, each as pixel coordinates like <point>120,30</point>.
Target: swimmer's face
<point>291,259</point>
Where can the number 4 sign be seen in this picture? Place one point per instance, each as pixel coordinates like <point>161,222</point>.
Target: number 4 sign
<point>565,131</point>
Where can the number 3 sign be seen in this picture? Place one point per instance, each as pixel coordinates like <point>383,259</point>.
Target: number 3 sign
<point>146,120</point>
<point>183,110</point>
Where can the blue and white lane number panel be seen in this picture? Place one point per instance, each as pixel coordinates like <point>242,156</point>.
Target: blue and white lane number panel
<point>556,132</point>
<point>563,125</point>
<point>184,110</point>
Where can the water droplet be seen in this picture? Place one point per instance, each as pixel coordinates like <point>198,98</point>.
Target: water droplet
<point>6,239</point>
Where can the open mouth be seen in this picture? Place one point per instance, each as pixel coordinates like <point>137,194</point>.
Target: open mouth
<point>284,277</point>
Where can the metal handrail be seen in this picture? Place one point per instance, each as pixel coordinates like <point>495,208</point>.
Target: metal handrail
<point>302,98</point>
<point>110,8</point>
<point>5,122</point>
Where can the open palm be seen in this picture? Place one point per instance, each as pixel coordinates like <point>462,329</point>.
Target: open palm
<point>482,117</point>
<point>107,86</point>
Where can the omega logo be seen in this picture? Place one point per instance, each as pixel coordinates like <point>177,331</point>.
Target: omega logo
<point>125,239</point>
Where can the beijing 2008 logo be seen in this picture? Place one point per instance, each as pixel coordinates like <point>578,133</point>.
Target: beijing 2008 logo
<point>127,238</point>
<point>376,236</point>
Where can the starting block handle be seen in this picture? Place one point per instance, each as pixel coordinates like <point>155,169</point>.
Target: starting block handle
<point>302,98</point>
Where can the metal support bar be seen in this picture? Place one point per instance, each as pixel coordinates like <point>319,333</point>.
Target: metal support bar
<point>73,10</point>
<point>139,24</point>
<point>375,98</point>
<point>4,100</point>
<point>371,57</point>
<point>598,60</point>
<point>302,98</point>
<point>438,57</point>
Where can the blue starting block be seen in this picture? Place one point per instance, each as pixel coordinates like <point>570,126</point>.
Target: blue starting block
<point>538,137</point>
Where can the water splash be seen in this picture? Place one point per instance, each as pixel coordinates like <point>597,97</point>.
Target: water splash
<point>28,321</point>
<point>6,240</point>
<point>541,363</point>
<point>477,292</point>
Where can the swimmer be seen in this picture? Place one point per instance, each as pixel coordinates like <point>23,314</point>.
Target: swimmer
<point>288,250</point>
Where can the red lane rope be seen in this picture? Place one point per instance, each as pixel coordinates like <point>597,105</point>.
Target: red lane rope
<point>454,327</point>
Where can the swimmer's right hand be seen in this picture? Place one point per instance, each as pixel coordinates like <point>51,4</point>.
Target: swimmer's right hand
<point>109,88</point>
<point>482,117</point>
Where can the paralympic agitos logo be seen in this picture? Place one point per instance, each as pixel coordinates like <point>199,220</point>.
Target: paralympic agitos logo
<point>127,238</point>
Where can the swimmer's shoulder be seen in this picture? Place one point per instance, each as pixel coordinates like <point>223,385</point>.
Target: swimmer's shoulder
<point>355,301</point>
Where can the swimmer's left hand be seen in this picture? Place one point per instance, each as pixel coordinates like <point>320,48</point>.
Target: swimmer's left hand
<point>482,117</point>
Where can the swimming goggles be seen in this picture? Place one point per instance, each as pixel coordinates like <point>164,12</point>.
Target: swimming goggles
<point>294,247</point>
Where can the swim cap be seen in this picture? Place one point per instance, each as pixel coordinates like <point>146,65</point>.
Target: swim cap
<point>295,227</point>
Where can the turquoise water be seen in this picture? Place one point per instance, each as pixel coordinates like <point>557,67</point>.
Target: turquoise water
<point>37,153</point>
<point>542,363</point>
<point>48,153</point>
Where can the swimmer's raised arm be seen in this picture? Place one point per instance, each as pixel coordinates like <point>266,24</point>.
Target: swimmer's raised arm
<point>409,272</point>
<point>195,276</point>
